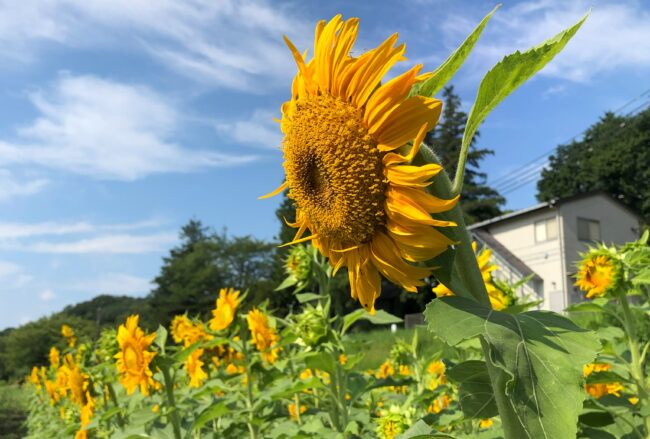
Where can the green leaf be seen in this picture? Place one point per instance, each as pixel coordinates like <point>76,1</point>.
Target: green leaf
<point>504,78</point>
<point>213,412</point>
<point>286,283</point>
<point>537,356</point>
<point>380,317</point>
<point>448,69</point>
<point>475,393</point>
<point>642,278</point>
<point>596,418</point>
<point>308,297</point>
<point>422,430</point>
<point>161,338</point>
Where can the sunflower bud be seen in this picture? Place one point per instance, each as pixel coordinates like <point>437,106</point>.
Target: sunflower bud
<point>311,325</point>
<point>394,421</point>
<point>402,353</point>
<point>299,266</point>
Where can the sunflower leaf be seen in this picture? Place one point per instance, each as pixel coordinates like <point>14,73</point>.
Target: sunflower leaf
<point>537,356</point>
<point>504,78</point>
<point>475,393</point>
<point>450,66</point>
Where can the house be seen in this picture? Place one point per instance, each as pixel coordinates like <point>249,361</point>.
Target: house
<point>544,241</point>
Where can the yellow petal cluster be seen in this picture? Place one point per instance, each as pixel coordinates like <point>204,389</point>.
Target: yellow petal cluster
<point>263,335</point>
<point>185,331</point>
<point>69,335</point>
<point>595,275</point>
<point>598,390</point>
<point>134,357</point>
<point>224,312</point>
<point>349,145</point>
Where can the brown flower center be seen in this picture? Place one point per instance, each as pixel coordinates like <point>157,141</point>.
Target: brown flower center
<point>334,170</point>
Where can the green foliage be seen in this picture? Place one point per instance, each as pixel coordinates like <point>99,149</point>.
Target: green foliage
<point>30,344</point>
<point>475,393</point>
<point>537,356</point>
<point>14,405</point>
<point>613,156</point>
<point>205,262</point>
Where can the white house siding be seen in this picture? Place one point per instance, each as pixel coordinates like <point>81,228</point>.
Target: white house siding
<point>617,226</point>
<point>544,258</point>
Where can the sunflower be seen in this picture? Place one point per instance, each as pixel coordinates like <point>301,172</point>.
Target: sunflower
<point>34,378</point>
<point>263,335</point>
<point>224,312</point>
<point>348,162</point>
<point>293,411</point>
<point>596,275</point>
<point>498,299</point>
<point>134,357</point>
<point>55,357</point>
<point>69,335</point>
<point>194,368</point>
<point>598,390</point>
<point>185,331</point>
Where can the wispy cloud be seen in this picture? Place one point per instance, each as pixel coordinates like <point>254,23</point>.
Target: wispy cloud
<point>260,130</point>
<point>47,295</point>
<point>113,283</point>
<point>229,43</point>
<point>11,187</point>
<point>106,130</point>
<point>13,275</point>
<point>104,244</point>
<point>16,230</point>
<point>616,35</point>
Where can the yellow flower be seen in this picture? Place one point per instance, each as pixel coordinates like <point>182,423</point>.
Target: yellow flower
<point>87,410</point>
<point>232,369</point>
<point>498,299</point>
<point>194,368</point>
<point>224,312</point>
<point>485,423</point>
<point>293,412</point>
<point>348,165</point>
<point>343,359</point>
<point>81,434</point>
<point>134,357</point>
<point>34,378</point>
<point>598,390</point>
<point>77,384</point>
<point>55,357</point>
<point>439,404</point>
<point>306,374</point>
<point>69,335</point>
<point>595,275</point>
<point>386,369</point>
<point>264,336</point>
<point>184,330</point>
<point>404,370</point>
<point>633,400</point>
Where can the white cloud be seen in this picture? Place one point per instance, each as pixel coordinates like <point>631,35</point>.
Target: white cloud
<point>259,130</point>
<point>13,275</point>
<point>15,230</point>
<point>11,187</point>
<point>106,130</point>
<point>228,43</point>
<point>47,295</point>
<point>616,35</point>
<point>105,244</point>
<point>113,283</point>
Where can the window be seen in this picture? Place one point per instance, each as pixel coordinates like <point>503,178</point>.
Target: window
<point>588,230</point>
<point>545,230</point>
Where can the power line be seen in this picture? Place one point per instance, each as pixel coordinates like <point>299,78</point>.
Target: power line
<point>529,172</point>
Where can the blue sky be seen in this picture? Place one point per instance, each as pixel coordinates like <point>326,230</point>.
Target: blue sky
<point>122,119</point>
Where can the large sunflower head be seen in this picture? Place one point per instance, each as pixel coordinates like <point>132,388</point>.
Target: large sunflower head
<point>598,273</point>
<point>134,356</point>
<point>347,158</point>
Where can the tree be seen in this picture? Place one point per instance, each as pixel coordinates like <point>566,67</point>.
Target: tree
<point>613,155</point>
<point>204,262</point>
<point>478,201</point>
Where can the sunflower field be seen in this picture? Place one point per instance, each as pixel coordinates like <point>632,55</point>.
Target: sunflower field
<point>372,199</point>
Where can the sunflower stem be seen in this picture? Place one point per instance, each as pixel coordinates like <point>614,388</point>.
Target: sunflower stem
<point>173,413</point>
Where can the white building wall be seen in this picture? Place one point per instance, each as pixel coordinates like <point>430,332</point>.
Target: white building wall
<point>544,258</point>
